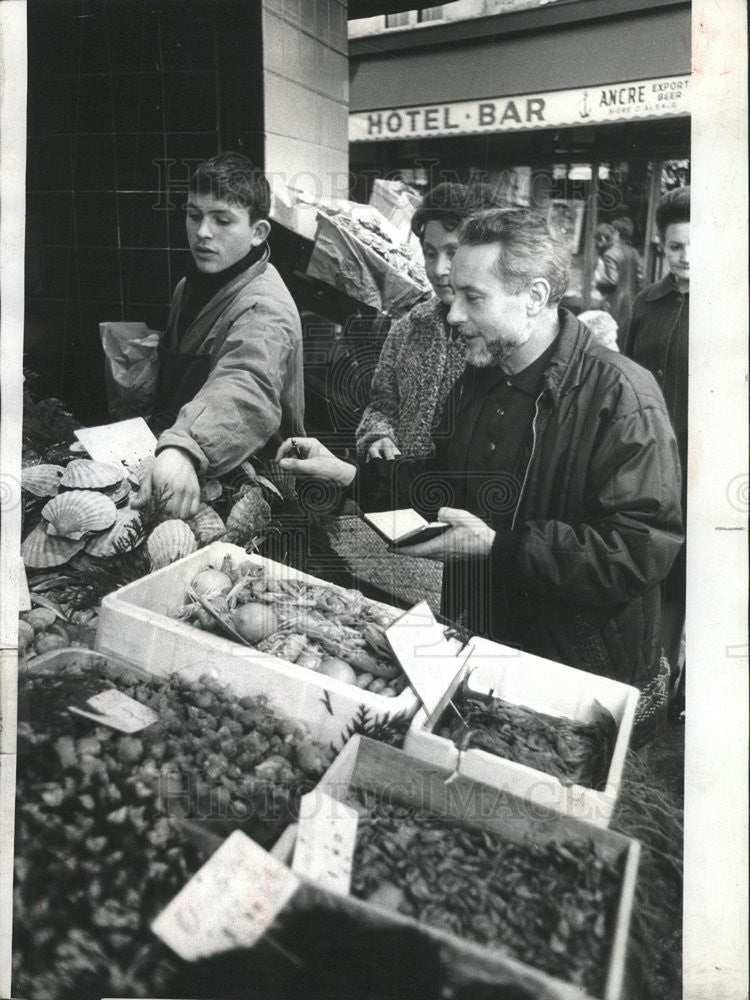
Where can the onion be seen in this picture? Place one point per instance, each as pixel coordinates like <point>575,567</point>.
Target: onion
<point>332,666</point>
<point>255,621</point>
<point>210,583</point>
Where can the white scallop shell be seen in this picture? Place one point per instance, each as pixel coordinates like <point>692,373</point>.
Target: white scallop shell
<point>85,474</point>
<point>207,526</point>
<point>169,541</point>
<point>103,544</point>
<point>78,513</point>
<point>41,480</point>
<point>40,550</point>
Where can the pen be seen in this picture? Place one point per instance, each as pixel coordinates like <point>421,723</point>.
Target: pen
<point>296,449</point>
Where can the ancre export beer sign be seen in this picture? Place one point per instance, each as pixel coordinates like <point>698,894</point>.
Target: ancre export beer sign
<point>615,102</point>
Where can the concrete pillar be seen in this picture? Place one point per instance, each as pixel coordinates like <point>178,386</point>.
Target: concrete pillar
<point>306,94</point>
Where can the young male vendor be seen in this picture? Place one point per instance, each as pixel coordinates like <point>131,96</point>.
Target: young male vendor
<point>230,383</point>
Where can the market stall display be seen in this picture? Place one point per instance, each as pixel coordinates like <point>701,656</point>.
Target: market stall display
<point>548,732</point>
<point>551,906</point>
<point>148,623</point>
<point>259,674</point>
<point>329,630</point>
<point>100,843</point>
<point>546,896</point>
<point>575,752</point>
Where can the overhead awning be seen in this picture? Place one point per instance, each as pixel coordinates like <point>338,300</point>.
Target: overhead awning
<point>637,100</point>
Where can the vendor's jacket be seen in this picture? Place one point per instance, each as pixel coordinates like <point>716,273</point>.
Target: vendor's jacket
<point>253,397</point>
<point>574,575</point>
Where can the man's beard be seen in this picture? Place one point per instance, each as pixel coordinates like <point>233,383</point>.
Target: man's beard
<point>490,354</point>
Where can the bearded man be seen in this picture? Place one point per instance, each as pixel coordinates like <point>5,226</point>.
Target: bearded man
<point>555,466</point>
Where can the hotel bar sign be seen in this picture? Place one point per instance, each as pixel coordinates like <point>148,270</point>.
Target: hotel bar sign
<point>616,102</point>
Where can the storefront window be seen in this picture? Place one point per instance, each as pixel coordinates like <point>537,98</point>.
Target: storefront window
<point>430,14</point>
<point>578,196</point>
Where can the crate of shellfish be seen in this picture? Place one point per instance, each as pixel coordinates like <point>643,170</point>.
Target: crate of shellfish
<point>552,734</point>
<point>317,650</point>
<point>518,898</point>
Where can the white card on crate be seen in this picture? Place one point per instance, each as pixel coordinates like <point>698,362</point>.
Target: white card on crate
<point>228,903</point>
<point>326,836</point>
<point>419,644</point>
<point>126,442</point>
<point>118,711</point>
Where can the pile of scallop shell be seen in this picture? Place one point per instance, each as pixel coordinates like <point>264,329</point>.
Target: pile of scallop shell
<point>87,511</point>
<point>82,512</point>
<point>173,539</point>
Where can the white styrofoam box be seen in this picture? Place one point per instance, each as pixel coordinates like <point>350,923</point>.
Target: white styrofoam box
<point>136,627</point>
<point>544,686</point>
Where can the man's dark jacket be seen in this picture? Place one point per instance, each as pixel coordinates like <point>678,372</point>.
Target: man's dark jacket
<point>598,524</point>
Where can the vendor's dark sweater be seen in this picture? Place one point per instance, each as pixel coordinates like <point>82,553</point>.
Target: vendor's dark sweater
<point>200,288</point>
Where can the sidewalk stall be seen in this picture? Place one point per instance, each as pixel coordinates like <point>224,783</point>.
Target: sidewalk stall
<point>252,759</point>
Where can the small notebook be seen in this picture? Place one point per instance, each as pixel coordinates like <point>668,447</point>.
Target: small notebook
<point>404,527</point>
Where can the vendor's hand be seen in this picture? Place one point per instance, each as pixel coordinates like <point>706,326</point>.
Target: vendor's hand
<point>316,461</point>
<point>384,447</point>
<point>467,536</point>
<point>173,477</point>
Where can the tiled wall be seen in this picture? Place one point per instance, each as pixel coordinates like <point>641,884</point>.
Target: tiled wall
<point>116,88</point>
<point>306,85</point>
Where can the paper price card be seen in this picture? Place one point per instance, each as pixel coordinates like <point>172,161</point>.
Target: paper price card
<point>118,711</point>
<point>228,903</point>
<point>427,658</point>
<point>326,836</point>
<point>126,442</point>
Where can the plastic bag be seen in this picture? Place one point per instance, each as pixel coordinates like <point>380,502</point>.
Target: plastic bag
<point>341,260</point>
<point>131,368</point>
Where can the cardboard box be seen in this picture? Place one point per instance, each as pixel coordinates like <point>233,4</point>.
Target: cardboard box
<point>544,686</point>
<point>365,763</point>
<point>136,627</point>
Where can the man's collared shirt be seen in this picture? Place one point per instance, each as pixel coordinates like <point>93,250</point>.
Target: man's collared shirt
<point>499,409</point>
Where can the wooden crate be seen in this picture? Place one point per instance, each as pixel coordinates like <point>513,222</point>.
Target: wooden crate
<point>366,764</point>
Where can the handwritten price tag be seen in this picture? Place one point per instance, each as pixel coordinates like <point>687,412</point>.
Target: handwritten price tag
<point>419,645</point>
<point>118,711</point>
<point>326,836</point>
<point>229,903</point>
<point>126,442</point>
